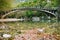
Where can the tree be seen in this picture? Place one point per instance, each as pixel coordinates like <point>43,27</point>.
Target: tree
<point>33,3</point>
<point>5,5</point>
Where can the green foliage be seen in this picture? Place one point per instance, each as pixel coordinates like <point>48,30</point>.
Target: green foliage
<point>29,13</point>
<point>40,3</point>
<point>30,3</point>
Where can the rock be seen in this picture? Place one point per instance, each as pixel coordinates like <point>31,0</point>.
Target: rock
<point>6,35</point>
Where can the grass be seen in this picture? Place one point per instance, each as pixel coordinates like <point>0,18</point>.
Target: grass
<point>28,25</point>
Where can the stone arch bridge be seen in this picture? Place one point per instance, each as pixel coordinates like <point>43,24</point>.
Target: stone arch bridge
<point>53,12</point>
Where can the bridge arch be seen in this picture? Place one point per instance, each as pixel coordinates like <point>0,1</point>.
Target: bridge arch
<point>33,9</point>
